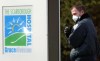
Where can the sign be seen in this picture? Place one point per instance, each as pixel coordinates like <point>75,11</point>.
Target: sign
<point>17,29</point>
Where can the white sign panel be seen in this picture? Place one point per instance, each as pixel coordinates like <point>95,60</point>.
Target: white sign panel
<point>23,30</point>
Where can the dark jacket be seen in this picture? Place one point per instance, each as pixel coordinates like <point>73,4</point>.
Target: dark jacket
<point>82,39</point>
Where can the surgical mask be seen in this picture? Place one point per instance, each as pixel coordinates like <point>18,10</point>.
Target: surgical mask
<point>75,18</point>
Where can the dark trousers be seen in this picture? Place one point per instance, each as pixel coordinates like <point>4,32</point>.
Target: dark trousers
<point>86,58</point>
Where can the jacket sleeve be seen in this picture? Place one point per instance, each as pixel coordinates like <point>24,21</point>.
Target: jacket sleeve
<point>77,37</point>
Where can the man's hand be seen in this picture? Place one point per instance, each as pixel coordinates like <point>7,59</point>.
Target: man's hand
<point>67,31</point>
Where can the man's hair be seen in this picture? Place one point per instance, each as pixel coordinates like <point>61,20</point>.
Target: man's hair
<point>79,7</point>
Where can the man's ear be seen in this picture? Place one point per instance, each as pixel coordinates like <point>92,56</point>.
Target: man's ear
<point>82,12</point>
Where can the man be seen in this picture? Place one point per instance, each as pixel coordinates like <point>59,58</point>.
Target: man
<point>82,37</point>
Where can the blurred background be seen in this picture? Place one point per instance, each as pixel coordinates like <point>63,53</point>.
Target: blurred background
<point>93,8</point>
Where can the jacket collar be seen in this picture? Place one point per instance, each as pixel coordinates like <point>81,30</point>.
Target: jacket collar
<point>83,17</point>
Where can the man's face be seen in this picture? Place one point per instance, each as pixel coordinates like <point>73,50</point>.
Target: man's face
<point>75,12</point>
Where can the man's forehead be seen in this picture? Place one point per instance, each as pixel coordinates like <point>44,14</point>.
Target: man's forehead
<point>74,9</point>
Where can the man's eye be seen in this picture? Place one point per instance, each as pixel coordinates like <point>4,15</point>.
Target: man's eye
<point>74,13</point>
